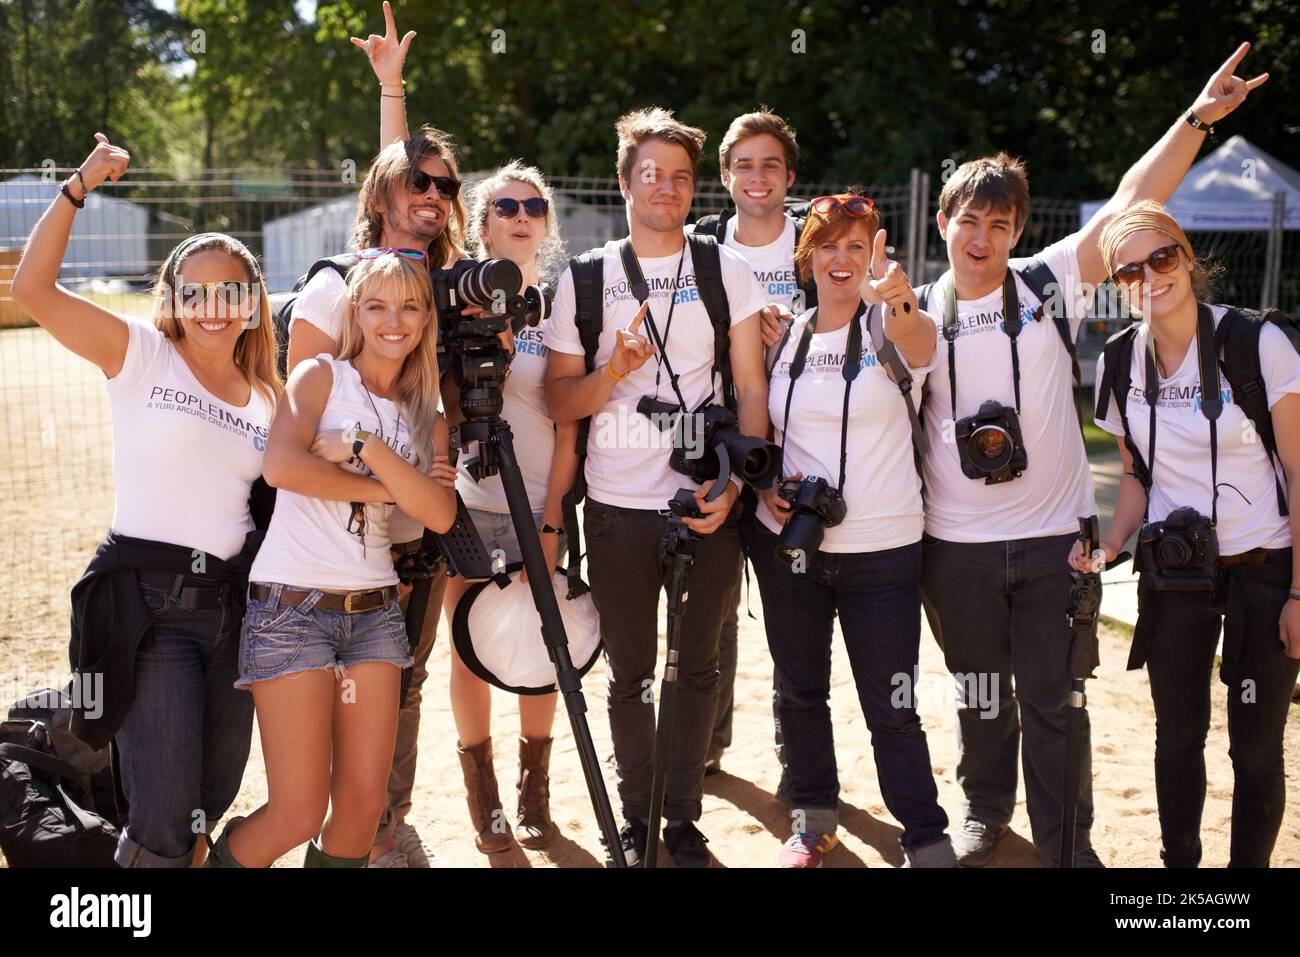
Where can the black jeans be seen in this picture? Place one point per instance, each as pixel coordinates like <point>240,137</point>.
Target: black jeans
<point>627,575</point>
<point>998,611</point>
<point>877,596</point>
<point>1183,629</point>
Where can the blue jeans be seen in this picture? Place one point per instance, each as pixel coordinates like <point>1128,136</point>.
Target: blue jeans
<point>877,596</point>
<point>185,741</point>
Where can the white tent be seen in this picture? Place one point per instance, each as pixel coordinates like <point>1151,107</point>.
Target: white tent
<point>109,236</point>
<point>1232,189</point>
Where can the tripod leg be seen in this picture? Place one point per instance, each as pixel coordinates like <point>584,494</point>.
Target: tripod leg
<point>557,642</point>
<point>667,720</point>
<point>1073,760</point>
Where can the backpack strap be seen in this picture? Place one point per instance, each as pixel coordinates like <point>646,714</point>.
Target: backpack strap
<point>1116,381</point>
<point>922,293</point>
<point>888,356</point>
<point>341,264</point>
<point>1040,279</point>
<point>1237,343</point>
<point>587,272</point>
<point>715,224</point>
<point>707,262</point>
<point>809,287</point>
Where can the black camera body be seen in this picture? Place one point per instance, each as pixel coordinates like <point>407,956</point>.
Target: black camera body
<point>468,345</point>
<point>708,443</point>
<point>1181,553</point>
<point>814,507</point>
<point>991,445</point>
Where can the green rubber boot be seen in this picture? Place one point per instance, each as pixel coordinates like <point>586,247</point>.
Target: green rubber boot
<point>315,857</point>
<point>219,851</point>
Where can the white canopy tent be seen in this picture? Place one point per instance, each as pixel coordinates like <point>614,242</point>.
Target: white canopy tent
<point>109,236</point>
<point>1232,189</point>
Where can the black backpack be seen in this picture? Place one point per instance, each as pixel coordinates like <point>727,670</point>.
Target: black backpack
<point>282,303</point>
<point>1236,341</point>
<point>44,801</point>
<point>715,225</point>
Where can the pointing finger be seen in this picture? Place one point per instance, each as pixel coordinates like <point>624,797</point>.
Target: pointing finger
<point>635,324</point>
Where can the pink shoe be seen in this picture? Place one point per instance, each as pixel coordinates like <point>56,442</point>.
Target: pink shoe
<point>807,850</point>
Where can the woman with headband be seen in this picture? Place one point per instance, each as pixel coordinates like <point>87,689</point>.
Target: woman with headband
<point>157,611</point>
<point>1211,484</point>
<point>324,641</point>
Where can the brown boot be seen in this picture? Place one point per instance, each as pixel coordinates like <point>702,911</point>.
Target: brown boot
<point>484,804</point>
<point>535,793</point>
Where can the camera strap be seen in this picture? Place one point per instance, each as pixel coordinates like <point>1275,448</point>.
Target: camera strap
<point>641,290</point>
<point>1211,401</point>
<point>1011,325</point>
<point>852,363</point>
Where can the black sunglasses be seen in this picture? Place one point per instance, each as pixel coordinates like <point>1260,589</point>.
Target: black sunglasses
<point>448,188</point>
<point>535,207</point>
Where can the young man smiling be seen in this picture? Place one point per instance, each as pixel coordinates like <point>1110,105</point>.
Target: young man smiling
<point>629,484</point>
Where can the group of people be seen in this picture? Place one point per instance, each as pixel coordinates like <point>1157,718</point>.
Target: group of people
<point>803,328</point>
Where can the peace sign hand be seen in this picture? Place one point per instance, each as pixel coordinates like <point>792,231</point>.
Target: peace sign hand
<point>631,349</point>
<point>1225,92</point>
<point>105,161</point>
<point>888,280</point>
<point>386,54</point>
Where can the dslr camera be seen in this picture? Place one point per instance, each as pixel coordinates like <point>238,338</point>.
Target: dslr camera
<point>990,444</point>
<point>815,506</point>
<point>1181,553</point>
<point>709,444</point>
<point>468,345</point>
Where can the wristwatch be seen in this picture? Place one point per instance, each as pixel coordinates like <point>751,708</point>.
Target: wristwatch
<point>1196,123</point>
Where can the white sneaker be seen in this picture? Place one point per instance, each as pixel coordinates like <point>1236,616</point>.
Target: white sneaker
<point>418,854</point>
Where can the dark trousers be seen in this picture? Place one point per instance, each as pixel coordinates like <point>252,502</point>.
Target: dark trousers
<point>627,575</point>
<point>998,611</point>
<point>876,596</point>
<point>1183,630</point>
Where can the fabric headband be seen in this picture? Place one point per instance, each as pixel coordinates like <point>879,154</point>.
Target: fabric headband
<point>1138,221</point>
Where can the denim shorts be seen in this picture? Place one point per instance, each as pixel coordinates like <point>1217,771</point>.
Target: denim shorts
<point>281,639</point>
<point>497,531</point>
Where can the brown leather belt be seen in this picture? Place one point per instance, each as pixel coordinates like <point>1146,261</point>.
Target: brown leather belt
<point>1256,556</point>
<point>353,602</point>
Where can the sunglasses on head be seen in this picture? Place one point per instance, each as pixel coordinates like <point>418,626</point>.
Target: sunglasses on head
<point>856,206</point>
<point>229,293</point>
<point>376,251</point>
<point>535,207</point>
<point>448,188</point>
<point>1162,260</point>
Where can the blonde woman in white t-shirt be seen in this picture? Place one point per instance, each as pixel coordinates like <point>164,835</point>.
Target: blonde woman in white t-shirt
<point>1253,589</point>
<point>156,613</point>
<point>324,640</point>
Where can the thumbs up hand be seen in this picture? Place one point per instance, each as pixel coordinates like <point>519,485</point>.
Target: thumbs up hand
<point>888,279</point>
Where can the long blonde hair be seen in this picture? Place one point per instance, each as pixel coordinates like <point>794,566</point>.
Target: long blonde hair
<point>255,348</point>
<point>417,383</point>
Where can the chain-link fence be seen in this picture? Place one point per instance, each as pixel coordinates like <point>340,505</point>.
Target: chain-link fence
<point>57,472</point>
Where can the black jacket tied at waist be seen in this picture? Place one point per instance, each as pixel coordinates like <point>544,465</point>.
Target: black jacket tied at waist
<point>110,617</point>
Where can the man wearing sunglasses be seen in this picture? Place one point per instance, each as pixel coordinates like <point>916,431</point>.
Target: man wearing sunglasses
<point>663,348</point>
<point>995,588</point>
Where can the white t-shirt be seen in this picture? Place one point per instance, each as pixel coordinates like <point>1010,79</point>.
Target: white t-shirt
<point>308,544</point>
<point>1182,468</point>
<point>1056,487</point>
<point>324,303</point>
<point>524,407</point>
<point>183,460</point>
<point>883,491</point>
<point>773,264</point>
<point>627,455</point>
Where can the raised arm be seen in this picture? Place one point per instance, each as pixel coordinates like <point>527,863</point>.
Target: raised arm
<point>289,462</point>
<point>912,331</point>
<point>387,54</point>
<point>78,324</point>
<point>1157,174</point>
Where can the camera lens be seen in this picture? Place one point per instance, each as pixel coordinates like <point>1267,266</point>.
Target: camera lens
<point>800,538</point>
<point>991,447</point>
<point>480,284</point>
<point>1174,551</point>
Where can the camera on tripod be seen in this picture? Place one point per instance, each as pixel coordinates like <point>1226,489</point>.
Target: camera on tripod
<point>1181,553</point>
<point>815,506</point>
<point>990,444</point>
<point>708,443</point>
<point>468,345</point>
